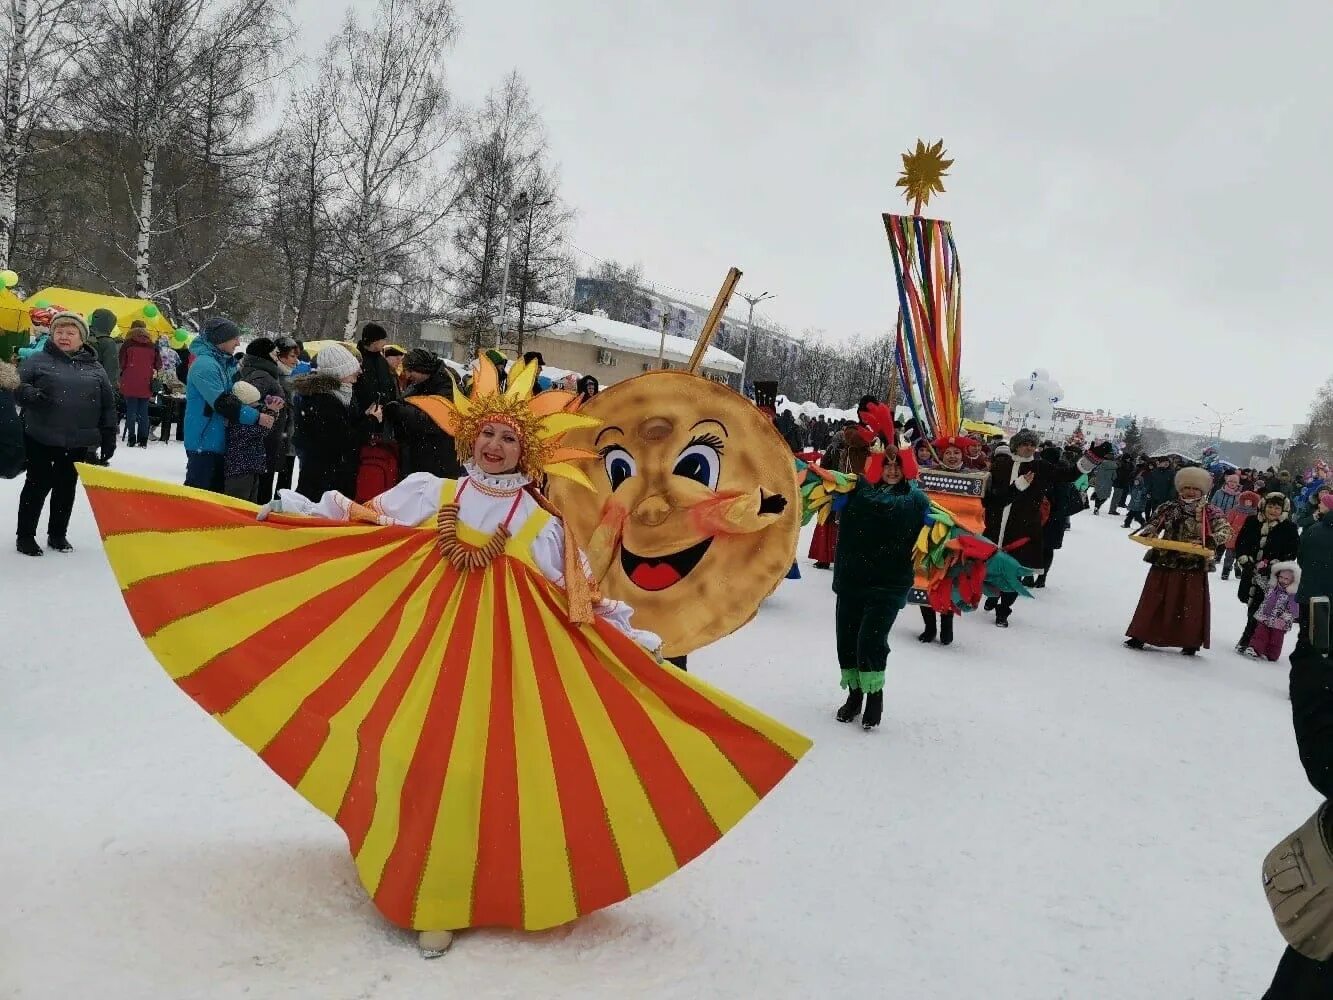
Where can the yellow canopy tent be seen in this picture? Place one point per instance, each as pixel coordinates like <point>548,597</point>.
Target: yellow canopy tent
<point>14,317</point>
<point>313,347</point>
<point>84,303</point>
<point>977,427</point>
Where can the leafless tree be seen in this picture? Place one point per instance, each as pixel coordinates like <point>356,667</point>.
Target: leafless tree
<point>39,38</point>
<point>175,83</point>
<point>541,270</point>
<point>503,142</point>
<point>392,117</point>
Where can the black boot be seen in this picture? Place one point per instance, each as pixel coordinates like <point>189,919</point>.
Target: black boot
<point>28,546</point>
<point>59,545</point>
<point>946,630</point>
<point>991,602</point>
<point>1134,643</point>
<point>1189,651</point>
<point>874,710</point>
<point>851,707</point>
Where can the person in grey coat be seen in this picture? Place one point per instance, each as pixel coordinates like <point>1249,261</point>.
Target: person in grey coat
<point>69,408</point>
<point>1103,484</point>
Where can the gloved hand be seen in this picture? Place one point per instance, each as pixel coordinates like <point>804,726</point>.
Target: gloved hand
<point>31,395</point>
<point>108,444</point>
<point>274,506</point>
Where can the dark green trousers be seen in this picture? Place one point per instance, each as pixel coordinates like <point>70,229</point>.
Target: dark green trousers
<point>863,624</point>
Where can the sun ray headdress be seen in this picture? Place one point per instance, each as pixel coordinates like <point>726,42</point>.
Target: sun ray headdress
<point>540,421</point>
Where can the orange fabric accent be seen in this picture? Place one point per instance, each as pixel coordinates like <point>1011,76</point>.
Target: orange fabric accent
<point>291,752</point>
<point>226,679</point>
<point>759,761</point>
<point>424,782</point>
<point>358,807</point>
<point>685,821</point>
<point>122,512</point>
<point>497,892</point>
<point>158,601</point>
<point>588,835</point>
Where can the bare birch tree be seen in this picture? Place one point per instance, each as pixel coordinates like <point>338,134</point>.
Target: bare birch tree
<point>178,78</point>
<point>39,38</point>
<point>392,117</point>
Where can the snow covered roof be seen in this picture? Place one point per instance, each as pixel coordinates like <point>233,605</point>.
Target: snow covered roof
<point>588,328</point>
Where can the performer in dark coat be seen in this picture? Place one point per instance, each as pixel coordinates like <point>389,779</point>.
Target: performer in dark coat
<point>426,446</point>
<point>1266,537</point>
<point>1019,482</point>
<point>1174,608</point>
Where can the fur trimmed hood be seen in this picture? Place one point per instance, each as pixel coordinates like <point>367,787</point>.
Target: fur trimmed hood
<point>9,377</point>
<point>1277,496</point>
<point>314,384</point>
<point>1293,568</point>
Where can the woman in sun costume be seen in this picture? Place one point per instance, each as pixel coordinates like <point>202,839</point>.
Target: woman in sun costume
<point>497,746</point>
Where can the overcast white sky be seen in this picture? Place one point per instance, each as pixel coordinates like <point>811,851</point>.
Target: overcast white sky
<point>1140,194</point>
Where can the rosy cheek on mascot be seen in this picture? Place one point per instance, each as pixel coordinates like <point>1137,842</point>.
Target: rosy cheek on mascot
<point>696,514</point>
<point>437,671</point>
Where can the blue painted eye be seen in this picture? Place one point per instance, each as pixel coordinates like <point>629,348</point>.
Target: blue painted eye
<point>619,466</point>
<point>701,463</point>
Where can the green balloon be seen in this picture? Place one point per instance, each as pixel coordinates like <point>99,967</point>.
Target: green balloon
<point>150,311</point>
<point>42,304</point>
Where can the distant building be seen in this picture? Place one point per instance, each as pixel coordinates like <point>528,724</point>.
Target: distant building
<point>1096,425</point>
<point>769,348</point>
<point>591,345</point>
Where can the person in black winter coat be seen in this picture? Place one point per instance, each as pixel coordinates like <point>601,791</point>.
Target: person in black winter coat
<point>69,408</point>
<point>1161,483</point>
<point>11,426</point>
<point>424,445</point>
<point>1266,538</point>
<point>1311,687</point>
<point>329,429</point>
<point>378,384</point>
<point>259,368</point>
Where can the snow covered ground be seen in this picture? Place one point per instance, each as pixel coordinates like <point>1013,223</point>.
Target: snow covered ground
<point>1043,815</point>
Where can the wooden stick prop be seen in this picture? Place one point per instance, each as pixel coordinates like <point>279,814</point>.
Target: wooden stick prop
<point>710,325</point>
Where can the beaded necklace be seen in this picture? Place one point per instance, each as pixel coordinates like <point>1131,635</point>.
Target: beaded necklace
<point>461,555</point>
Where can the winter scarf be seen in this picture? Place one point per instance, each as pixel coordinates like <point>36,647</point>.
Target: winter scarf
<point>344,394</point>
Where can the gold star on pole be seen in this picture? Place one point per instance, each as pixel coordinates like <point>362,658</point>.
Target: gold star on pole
<point>924,170</point>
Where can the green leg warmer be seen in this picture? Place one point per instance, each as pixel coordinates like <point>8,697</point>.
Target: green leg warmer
<point>872,681</point>
<point>849,680</point>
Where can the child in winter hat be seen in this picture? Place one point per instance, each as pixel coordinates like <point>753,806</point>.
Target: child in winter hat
<point>1277,613</point>
<point>245,460</point>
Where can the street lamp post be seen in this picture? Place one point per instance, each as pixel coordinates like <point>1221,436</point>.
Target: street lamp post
<point>520,204</point>
<point>754,300</point>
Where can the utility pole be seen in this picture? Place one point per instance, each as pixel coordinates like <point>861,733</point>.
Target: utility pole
<point>520,203</point>
<point>1224,417</point>
<point>661,344</point>
<point>754,300</point>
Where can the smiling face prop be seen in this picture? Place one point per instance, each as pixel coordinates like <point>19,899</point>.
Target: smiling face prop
<point>696,511</point>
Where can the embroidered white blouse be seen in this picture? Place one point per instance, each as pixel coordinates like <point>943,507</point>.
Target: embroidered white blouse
<point>483,506</point>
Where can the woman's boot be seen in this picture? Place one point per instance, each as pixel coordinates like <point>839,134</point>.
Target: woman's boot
<point>946,630</point>
<point>433,944</point>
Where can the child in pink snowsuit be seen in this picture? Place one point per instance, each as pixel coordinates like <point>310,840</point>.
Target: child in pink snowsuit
<point>1278,611</point>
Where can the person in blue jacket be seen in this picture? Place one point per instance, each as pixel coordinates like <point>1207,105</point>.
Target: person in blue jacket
<point>210,405</point>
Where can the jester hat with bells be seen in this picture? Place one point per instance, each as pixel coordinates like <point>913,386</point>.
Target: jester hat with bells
<point>540,422</point>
